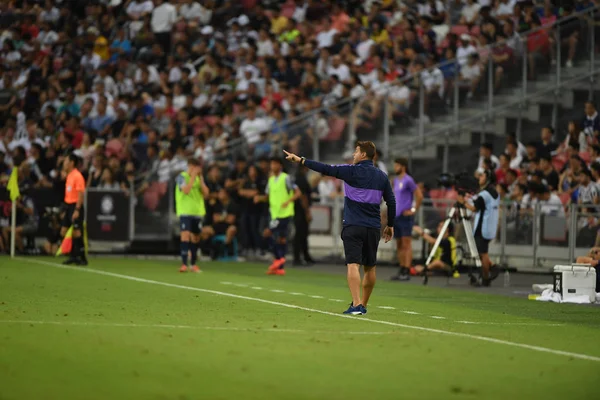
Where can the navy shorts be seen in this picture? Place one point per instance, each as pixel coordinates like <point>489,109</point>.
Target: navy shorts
<point>360,245</point>
<point>190,224</point>
<point>482,244</point>
<point>403,226</point>
<point>280,227</point>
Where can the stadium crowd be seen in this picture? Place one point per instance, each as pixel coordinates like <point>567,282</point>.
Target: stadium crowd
<point>136,87</point>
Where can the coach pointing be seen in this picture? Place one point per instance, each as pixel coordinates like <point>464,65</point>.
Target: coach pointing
<point>364,186</point>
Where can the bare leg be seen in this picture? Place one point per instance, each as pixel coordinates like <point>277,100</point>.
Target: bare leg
<point>407,249</point>
<point>354,283</point>
<point>486,264</point>
<point>368,284</point>
<point>400,252</point>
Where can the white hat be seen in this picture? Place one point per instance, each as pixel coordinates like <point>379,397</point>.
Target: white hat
<point>207,30</point>
<point>465,36</point>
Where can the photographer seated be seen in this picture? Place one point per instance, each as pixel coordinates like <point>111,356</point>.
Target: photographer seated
<point>445,255</point>
<point>222,221</point>
<point>27,223</point>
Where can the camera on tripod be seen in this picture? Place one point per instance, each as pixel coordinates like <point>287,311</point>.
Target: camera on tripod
<point>463,182</point>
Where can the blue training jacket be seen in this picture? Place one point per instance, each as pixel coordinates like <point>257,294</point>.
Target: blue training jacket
<point>364,186</point>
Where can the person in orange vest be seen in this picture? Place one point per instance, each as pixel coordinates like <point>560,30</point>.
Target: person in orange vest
<point>74,196</point>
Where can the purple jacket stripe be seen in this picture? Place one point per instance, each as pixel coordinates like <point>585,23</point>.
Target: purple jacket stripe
<point>370,196</point>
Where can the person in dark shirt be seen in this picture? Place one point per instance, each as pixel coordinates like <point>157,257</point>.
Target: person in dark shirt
<point>302,218</point>
<point>549,174</point>
<point>547,146</point>
<point>251,212</point>
<point>568,29</point>
<point>222,220</point>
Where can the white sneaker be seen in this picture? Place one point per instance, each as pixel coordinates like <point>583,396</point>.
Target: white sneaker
<point>569,64</point>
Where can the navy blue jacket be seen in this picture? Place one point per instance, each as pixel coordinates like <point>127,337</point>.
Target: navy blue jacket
<point>364,186</point>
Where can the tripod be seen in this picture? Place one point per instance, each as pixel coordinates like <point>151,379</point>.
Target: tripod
<point>462,216</point>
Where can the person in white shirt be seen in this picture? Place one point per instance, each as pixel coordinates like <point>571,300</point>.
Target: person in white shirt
<point>470,12</point>
<point>90,60</point>
<point>486,151</point>
<point>434,9</point>
<point>465,50</point>
<point>109,83</point>
<point>164,16</point>
<point>49,13</point>
<point>504,9</point>
<point>137,9</point>
<point>363,49</point>
<point>153,75</point>
<point>190,11</point>
<point>325,37</point>
<point>433,78</point>
<point>337,68</point>
<point>264,44</point>
<point>515,157</point>
<point>252,126</point>
<point>550,203</point>
<point>588,189</point>
<point>399,98</point>
<point>470,74</point>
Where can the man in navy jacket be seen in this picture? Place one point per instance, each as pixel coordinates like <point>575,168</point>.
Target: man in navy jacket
<point>364,187</point>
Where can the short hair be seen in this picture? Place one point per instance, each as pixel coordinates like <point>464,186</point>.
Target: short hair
<point>596,148</point>
<point>402,161</point>
<point>73,157</point>
<point>450,229</point>
<point>546,157</point>
<point>488,146</point>
<point>368,148</point>
<point>193,161</point>
<point>587,172</point>
<point>551,129</point>
<point>595,166</point>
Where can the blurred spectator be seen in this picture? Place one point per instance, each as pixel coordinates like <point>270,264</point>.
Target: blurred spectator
<point>486,151</point>
<point>588,190</point>
<point>550,176</point>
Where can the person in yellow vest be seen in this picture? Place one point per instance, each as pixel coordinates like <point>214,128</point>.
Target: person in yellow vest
<point>190,191</point>
<point>281,193</point>
<point>445,256</point>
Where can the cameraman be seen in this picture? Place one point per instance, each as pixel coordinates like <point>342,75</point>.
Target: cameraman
<point>486,219</point>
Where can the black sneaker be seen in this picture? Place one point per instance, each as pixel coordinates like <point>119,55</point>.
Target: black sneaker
<point>401,277</point>
<point>82,262</point>
<point>494,272</point>
<point>70,261</point>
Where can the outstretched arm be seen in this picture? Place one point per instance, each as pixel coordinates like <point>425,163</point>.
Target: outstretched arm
<point>343,172</point>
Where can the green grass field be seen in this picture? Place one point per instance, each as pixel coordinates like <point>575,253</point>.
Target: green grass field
<point>137,329</point>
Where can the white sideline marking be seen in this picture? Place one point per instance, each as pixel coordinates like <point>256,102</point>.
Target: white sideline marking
<point>296,294</point>
<point>337,300</point>
<point>226,283</point>
<point>256,288</point>
<point>386,307</point>
<point>316,296</point>
<point>277,291</point>
<point>437,317</point>
<point>276,303</point>
<point>240,285</point>
<point>411,312</point>
<point>205,328</point>
<point>506,323</point>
